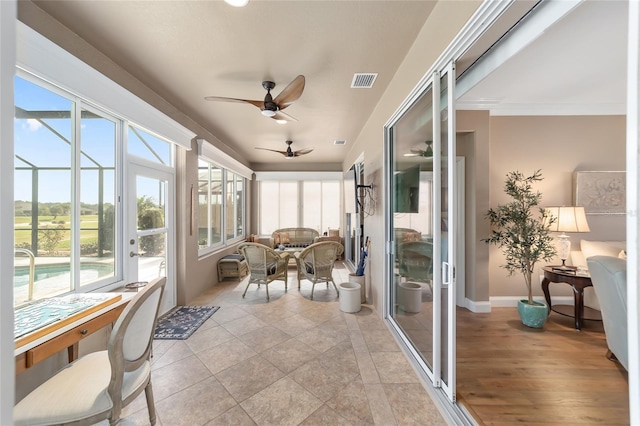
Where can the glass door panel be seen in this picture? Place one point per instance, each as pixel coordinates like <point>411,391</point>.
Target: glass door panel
<point>412,226</point>
<point>421,154</point>
<point>149,242</point>
<point>447,217</point>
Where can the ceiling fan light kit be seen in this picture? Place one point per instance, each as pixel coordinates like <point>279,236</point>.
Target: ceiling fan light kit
<point>237,3</point>
<point>272,107</point>
<point>415,152</point>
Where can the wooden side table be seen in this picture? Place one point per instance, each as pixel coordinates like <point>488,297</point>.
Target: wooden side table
<point>578,283</point>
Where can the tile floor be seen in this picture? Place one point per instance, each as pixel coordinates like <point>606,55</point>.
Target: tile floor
<point>289,361</point>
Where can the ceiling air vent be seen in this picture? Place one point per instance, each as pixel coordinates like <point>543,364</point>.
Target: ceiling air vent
<point>339,142</point>
<point>363,80</point>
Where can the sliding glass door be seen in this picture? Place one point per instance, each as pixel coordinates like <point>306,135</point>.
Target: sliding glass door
<point>420,296</point>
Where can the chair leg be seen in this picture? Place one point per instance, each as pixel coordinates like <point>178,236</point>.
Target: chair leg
<point>313,287</point>
<point>247,288</point>
<point>267,287</point>
<point>148,393</point>
<point>334,286</point>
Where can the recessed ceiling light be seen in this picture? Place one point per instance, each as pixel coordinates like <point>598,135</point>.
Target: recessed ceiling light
<point>237,3</point>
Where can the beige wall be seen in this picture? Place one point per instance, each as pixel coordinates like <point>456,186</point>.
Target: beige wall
<point>558,146</point>
<point>473,140</point>
<point>443,24</point>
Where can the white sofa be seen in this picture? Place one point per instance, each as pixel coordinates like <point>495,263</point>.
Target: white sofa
<point>595,248</point>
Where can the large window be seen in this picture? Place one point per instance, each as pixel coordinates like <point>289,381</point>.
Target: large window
<point>150,147</point>
<point>310,203</point>
<point>221,205</point>
<point>234,200</point>
<point>65,191</point>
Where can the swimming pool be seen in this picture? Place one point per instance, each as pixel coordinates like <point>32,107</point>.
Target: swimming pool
<point>60,272</point>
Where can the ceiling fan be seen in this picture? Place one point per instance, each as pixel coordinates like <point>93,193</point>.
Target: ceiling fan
<point>272,107</point>
<point>289,153</point>
<point>415,152</point>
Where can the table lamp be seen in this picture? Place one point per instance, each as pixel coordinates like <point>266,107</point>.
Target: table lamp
<point>568,219</point>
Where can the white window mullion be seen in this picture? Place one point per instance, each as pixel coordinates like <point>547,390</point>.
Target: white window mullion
<point>209,206</point>
<point>299,204</point>
<point>74,214</point>
<point>223,207</point>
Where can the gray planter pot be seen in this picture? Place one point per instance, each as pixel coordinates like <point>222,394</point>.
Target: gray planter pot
<point>534,316</point>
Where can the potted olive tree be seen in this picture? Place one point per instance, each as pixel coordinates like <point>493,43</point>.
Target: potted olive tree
<point>521,229</point>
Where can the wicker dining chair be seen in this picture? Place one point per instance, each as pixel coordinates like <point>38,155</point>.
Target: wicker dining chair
<point>265,265</point>
<point>315,263</point>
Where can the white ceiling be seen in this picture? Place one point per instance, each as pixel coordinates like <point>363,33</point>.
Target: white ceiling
<point>185,51</point>
<point>576,67</point>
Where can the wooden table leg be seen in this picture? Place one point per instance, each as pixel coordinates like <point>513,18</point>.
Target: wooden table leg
<point>72,352</point>
<point>578,301</point>
<point>547,296</point>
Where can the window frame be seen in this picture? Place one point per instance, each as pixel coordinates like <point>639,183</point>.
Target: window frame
<point>224,240</point>
<point>77,105</point>
<point>300,178</point>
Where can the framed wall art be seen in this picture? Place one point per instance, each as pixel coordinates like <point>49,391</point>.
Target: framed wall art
<point>600,192</point>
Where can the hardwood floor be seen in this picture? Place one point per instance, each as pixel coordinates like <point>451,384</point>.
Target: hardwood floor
<point>508,373</point>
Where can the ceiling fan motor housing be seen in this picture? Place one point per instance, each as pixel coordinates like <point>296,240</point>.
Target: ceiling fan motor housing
<point>270,107</point>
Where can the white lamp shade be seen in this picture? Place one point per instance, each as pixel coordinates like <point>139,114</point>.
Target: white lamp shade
<point>568,219</point>
<point>237,3</point>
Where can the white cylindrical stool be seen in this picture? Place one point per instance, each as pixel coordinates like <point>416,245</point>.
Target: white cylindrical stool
<point>410,297</point>
<point>349,297</point>
<point>360,279</point>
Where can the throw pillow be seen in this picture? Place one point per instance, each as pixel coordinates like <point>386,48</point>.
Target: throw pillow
<point>284,238</point>
<point>309,267</point>
<point>622,255</point>
<point>598,248</point>
<point>276,239</point>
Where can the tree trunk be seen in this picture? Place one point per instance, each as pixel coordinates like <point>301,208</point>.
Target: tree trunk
<point>527,280</point>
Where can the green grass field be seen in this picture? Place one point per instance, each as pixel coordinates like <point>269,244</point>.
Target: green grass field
<point>88,232</point>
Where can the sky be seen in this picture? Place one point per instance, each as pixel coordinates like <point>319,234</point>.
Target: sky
<point>49,147</point>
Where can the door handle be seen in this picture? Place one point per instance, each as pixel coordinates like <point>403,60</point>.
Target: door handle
<point>134,254</point>
<point>446,274</point>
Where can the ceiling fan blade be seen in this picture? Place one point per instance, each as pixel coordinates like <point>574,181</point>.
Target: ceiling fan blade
<point>273,150</point>
<point>291,93</point>
<point>282,116</point>
<point>259,104</point>
<point>302,152</point>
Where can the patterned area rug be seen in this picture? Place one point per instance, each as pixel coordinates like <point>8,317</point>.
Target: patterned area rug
<point>181,322</point>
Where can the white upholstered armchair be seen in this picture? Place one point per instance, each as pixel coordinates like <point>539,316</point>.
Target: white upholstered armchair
<point>609,279</point>
<point>98,385</point>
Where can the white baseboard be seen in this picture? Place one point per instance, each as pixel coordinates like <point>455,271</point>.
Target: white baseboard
<point>509,302</point>
<point>485,306</point>
<point>512,301</point>
<point>477,307</point>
